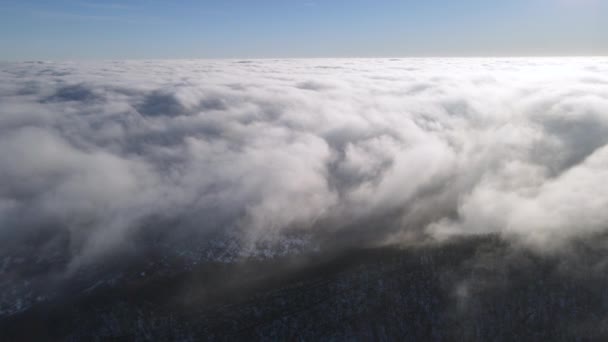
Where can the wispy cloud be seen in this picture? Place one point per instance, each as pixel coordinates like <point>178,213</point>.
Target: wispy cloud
<point>106,5</point>
<point>73,16</point>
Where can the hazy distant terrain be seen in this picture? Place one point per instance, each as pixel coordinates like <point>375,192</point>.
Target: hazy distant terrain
<point>416,199</point>
<point>473,289</point>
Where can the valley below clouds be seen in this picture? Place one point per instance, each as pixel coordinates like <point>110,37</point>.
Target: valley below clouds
<point>461,185</point>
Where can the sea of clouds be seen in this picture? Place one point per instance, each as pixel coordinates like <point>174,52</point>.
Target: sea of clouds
<point>385,149</point>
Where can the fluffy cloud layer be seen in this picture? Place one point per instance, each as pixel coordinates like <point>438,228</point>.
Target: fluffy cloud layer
<point>388,149</point>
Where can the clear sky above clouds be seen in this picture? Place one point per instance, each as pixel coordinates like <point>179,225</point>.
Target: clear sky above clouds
<point>58,29</point>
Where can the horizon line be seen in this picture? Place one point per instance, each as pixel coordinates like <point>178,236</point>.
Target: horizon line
<point>86,59</point>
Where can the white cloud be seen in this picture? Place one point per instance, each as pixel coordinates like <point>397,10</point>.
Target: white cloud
<point>439,146</point>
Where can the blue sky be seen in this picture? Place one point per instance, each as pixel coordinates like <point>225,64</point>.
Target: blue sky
<point>94,29</point>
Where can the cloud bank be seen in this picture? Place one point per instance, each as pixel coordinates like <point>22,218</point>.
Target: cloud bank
<point>385,149</point>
